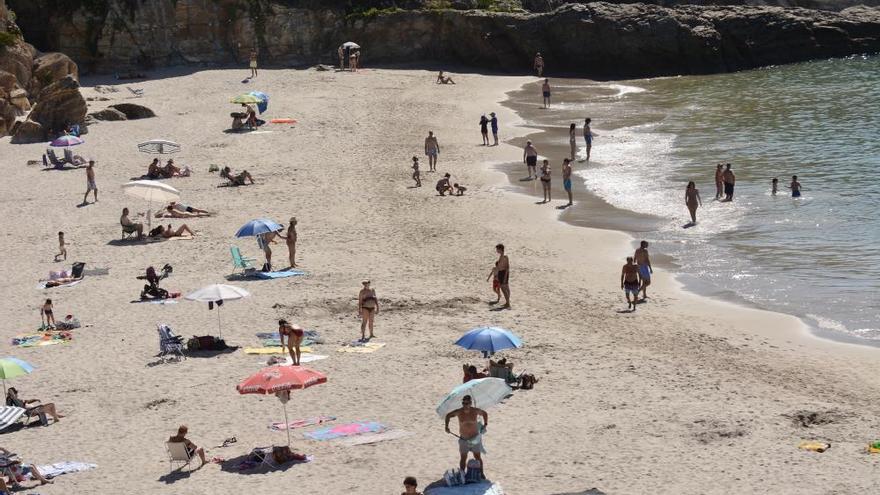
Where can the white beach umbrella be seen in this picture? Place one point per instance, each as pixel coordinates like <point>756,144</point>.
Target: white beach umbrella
<point>159,147</point>
<point>350,44</point>
<point>218,292</point>
<point>151,191</point>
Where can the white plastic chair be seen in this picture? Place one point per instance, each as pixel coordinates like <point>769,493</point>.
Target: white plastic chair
<point>177,453</point>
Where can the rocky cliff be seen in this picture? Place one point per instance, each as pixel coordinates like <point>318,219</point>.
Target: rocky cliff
<point>609,40</point>
<point>46,81</point>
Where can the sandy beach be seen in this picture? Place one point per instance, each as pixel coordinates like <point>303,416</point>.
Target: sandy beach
<point>686,395</point>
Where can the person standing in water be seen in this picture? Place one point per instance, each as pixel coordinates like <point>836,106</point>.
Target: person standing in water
<point>432,149</point>
<point>539,64</point>
<point>645,269</point>
<point>630,283</point>
<point>484,129</point>
<point>572,139</point>
<point>588,136</point>
<point>774,186</point>
<point>719,181</point>
<point>692,200</point>
<point>253,62</point>
<point>566,179</point>
<point>795,187</point>
<point>545,180</point>
<point>729,183</point>
<point>530,157</point>
<point>545,90</point>
<point>368,307</point>
<point>503,273</point>
<point>494,122</point>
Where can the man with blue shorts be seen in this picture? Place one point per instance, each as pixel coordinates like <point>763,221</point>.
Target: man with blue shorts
<point>645,270</point>
<point>566,179</point>
<point>629,282</point>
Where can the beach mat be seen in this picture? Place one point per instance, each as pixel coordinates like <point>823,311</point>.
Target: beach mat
<point>41,339</point>
<point>361,347</point>
<point>273,350</point>
<point>170,300</point>
<point>484,488</point>
<point>371,438</point>
<point>284,274</point>
<point>50,471</point>
<point>345,430</point>
<point>301,423</point>
<point>305,358</point>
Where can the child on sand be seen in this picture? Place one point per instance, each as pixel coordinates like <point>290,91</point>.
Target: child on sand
<point>459,190</point>
<point>409,486</point>
<point>46,311</point>
<point>62,250</point>
<point>496,285</point>
<point>416,175</point>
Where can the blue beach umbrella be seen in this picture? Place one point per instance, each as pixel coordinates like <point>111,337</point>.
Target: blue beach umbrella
<point>263,104</point>
<point>489,340</point>
<point>258,227</point>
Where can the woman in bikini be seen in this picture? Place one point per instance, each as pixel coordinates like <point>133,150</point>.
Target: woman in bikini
<point>46,310</point>
<point>692,200</point>
<point>572,139</point>
<point>368,306</point>
<point>545,180</point>
<point>294,334</point>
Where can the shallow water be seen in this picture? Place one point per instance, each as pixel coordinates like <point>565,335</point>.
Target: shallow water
<point>817,256</point>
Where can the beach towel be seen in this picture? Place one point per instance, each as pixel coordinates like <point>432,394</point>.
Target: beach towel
<point>484,488</point>
<point>288,361</point>
<point>284,274</point>
<point>273,350</point>
<point>371,438</point>
<point>345,430</point>
<point>247,464</point>
<point>301,423</point>
<point>170,300</point>
<point>272,339</point>
<point>42,284</point>
<point>50,471</point>
<point>361,347</point>
<point>9,415</point>
<point>41,339</point>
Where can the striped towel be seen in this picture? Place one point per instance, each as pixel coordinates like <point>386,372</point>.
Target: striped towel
<point>9,415</point>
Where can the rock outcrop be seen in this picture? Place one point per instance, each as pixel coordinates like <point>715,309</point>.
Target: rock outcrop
<point>109,114</point>
<point>132,111</point>
<point>614,40</point>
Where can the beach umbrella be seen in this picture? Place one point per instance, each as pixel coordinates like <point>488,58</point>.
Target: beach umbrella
<point>159,147</point>
<point>280,380</point>
<point>11,367</point>
<point>258,227</point>
<point>218,292</point>
<point>489,340</point>
<point>246,98</point>
<point>66,141</point>
<point>151,190</point>
<point>485,392</point>
<point>350,44</point>
<point>263,104</point>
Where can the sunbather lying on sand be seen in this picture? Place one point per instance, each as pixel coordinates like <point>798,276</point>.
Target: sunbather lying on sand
<point>168,232</point>
<point>179,210</point>
<point>55,282</point>
<point>236,180</point>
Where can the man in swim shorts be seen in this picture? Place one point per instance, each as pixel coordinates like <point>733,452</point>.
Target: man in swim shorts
<point>729,182</point>
<point>530,157</point>
<point>566,179</point>
<point>90,182</point>
<point>643,261</point>
<point>630,283</point>
<point>545,90</point>
<point>432,149</point>
<point>470,431</point>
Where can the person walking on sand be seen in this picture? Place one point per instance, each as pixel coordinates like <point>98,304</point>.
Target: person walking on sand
<point>496,285</point>
<point>729,182</point>
<point>502,267</point>
<point>62,248</point>
<point>645,269</point>
<point>416,175</point>
<point>90,182</point>
<point>630,283</point>
<point>719,181</point>
<point>588,137</point>
<point>253,62</point>
<point>530,158</point>
<point>494,122</point>
<point>572,140</point>
<point>774,186</point>
<point>470,431</point>
<point>545,180</point>
<point>47,312</point>
<point>692,200</point>
<point>368,307</point>
<point>290,240</point>
<point>539,64</point>
<point>484,129</point>
<point>432,149</point>
<point>795,187</point>
<point>294,335</point>
<point>191,448</point>
<point>545,90</point>
<point>566,179</point>
<point>341,53</point>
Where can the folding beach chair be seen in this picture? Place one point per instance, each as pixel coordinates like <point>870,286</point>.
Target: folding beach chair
<point>50,154</point>
<point>238,261</point>
<point>72,159</point>
<point>137,92</point>
<point>29,412</point>
<point>9,415</point>
<point>177,453</point>
<point>170,345</point>
<point>128,232</point>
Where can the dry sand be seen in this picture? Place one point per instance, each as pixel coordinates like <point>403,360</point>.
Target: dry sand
<point>687,395</point>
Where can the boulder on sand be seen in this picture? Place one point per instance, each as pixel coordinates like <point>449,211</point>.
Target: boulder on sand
<point>28,132</point>
<point>133,112</point>
<point>50,68</point>
<point>108,114</point>
<point>58,105</point>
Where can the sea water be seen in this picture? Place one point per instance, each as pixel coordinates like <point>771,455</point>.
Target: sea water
<point>817,256</point>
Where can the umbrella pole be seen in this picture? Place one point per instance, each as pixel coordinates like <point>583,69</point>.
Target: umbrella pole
<point>219,328</point>
<point>287,424</point>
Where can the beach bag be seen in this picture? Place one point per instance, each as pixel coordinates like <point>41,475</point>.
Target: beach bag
<point>77,269</point>
<point>453,477</point>
<point>205,343</point>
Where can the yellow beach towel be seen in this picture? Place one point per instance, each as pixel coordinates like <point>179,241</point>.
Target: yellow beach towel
<point>362,348</point>
<point>814,446</point>
<point>273,350</point>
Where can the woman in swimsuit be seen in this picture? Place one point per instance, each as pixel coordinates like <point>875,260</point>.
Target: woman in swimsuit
<point>503,273</point>
<point>12,399</point>
<point>236,180</point>
<point>46,310</point>
<point>484,129</point>
<point>169,232</point>
<point>692,200</point>
<point>588,137</point>
<point>545,180</point>
<point>294,334</point>
<point>290,239</point>
<point>368,306</point>
<point>572,140</point>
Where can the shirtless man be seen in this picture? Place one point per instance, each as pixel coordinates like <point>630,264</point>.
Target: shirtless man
<point>470,432</point>
<point>729,182</point>
<point>432,149</point>
<point>545,91</point>
<point>645,270</point>
<point>630,283</point>
<point>90,182</point>
<point>719,181</point>
<point>539,64</point>
<point>566,179</point>
<point>795,187</point>
<point>530,157</point>
<point>191,448</point>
